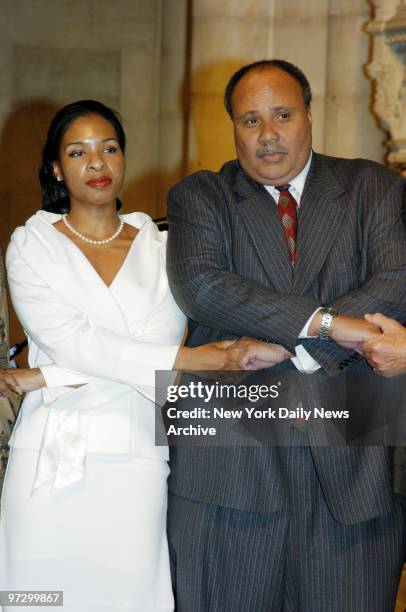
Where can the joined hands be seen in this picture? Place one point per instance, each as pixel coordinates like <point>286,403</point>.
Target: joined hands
<point>387,352</point>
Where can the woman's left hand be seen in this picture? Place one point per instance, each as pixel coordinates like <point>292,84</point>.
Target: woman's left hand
<point>241,354</point>
<point>253,354</point>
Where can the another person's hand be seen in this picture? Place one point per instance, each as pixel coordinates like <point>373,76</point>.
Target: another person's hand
<point>241,354</point>
<point>9,384</point>
<point>26,379</point>
<point>386,353</point>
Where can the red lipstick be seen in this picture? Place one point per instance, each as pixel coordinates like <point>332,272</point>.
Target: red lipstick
<point>99,182</point>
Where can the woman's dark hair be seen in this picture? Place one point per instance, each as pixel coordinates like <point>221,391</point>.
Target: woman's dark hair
<point>291,69</point>
<point>55,196</point>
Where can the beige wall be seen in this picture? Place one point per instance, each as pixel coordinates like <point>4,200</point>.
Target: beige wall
<point>323,37</point>
<point>129,54</point>
<point>163,64</point>
<point>55,51</point>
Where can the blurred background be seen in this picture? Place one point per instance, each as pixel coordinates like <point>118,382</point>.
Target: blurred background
<point>163,64</point>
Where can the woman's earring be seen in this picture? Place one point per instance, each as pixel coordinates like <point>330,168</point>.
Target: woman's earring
<point>59,179</point>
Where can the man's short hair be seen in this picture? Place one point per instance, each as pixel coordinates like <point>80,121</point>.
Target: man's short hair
<point>291,69</point>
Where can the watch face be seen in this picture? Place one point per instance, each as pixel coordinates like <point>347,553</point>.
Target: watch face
<point>330,311</point>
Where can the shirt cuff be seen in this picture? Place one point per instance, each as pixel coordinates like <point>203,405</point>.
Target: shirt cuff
<point>303,361</point>
<point>305,330</point>
<point>60,377</point>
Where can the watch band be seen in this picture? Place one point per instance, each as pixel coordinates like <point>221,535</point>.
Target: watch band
<point>328,315</point>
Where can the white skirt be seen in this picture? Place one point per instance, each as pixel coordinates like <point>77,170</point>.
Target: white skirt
<point>102,541</point>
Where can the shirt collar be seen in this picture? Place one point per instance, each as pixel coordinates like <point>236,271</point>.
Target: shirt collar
<point>296,184</point>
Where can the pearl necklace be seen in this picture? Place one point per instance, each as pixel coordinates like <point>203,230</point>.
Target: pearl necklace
<point>88,240</point>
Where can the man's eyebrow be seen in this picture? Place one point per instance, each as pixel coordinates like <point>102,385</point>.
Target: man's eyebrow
<point>282,108</point>
<point>250,112</point>
<point>274,109</point>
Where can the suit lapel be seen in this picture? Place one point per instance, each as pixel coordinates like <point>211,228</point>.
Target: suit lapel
<point>321,213</point>
<point>258,211</point>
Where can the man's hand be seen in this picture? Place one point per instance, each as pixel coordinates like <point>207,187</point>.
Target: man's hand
<point>386,353</point>
<point>8,384</point>
<point>349,332</point>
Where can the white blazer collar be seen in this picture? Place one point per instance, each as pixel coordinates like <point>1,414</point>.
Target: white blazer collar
<point>60,264</point>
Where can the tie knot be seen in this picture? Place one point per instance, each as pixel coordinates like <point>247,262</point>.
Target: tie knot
<point>283,187</point>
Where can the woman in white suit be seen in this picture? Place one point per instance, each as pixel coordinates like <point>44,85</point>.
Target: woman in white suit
<point>84,501</point>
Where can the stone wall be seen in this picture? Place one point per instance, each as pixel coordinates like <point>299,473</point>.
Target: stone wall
<point>129,54</point>
<point>163,65</point>
<point>324,38</point>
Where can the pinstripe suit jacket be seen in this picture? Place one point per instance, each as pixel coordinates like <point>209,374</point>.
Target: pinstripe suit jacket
<point>229,271</point>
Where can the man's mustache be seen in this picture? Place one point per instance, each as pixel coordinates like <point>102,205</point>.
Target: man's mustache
<point>268,150</point>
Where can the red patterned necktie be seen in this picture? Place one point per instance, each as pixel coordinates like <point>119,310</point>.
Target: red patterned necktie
<point>287,206</point>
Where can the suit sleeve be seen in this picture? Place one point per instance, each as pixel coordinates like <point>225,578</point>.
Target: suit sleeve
<point>201,276</point>
<point>72,342</point>
<point>384,289</point>
<point>203,281</point>
<point>383,246</point>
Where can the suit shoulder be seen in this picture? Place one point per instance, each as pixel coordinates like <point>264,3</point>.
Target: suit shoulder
<point>207,180</point>
<point>359,170</point>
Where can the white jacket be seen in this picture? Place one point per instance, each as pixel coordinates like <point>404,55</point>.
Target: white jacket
<point>109,339</point>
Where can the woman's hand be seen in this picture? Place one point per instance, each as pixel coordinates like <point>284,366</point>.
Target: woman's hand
<point>241,354</point>
<point>27,379</point>
<point>256,355</point>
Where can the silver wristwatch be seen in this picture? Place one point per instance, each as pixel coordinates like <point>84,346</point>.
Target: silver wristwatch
<point>327,317</point>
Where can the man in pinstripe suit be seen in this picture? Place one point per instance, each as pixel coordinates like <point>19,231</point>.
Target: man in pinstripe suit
<point>303,528</point>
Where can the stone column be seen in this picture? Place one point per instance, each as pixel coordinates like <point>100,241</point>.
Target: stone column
<point>173,97</point>
<point>350,128</point>
<point>388,70</point>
